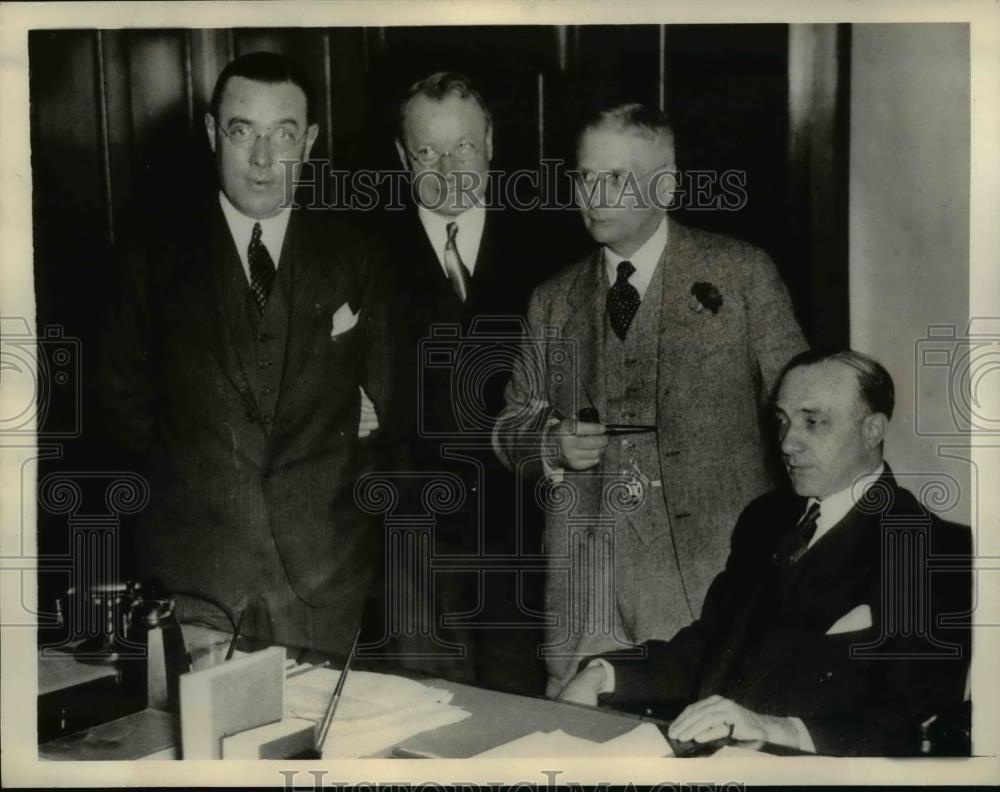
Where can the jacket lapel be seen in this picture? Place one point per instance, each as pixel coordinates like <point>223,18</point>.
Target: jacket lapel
<point>217,295</point>
<point>309,296</point>
<point>678,262</point>
<point>584,327</point>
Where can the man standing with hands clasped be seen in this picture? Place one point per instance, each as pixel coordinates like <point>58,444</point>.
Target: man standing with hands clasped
<point>665,327</point>
<point>233,361</point>
<point>835,628</point>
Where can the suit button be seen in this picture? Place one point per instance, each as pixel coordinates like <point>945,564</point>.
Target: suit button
<point>264,338</point>
<point>826,676</point>
<point>269,419</point>
<point>631,390</point>
<point>267,390</point>
<point>250,416</point>
<point>267,473</point>
<point>649,710</point>
<point>264,364</point>
<point>631,361</point>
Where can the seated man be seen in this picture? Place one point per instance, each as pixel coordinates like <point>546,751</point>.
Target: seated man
<point>826,631</point>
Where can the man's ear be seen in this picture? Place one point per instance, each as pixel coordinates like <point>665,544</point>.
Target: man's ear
<point>664,184</point>
<point>489,143</point>
<point>312,132</point>
<point>874,427</point>
<point>210,130</point>
<point>402,154</point>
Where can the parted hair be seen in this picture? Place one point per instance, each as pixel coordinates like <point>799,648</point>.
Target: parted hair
<point>875,384</point>
<point>634,117</point>
<point>442,84</point>
<point>265,67</point>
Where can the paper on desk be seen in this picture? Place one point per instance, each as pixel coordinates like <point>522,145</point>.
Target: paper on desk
<point>644,740</point>
<point>375,712</point>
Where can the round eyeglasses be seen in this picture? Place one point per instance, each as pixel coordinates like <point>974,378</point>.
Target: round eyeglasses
<point>244,137</point>
<point>428,156</point>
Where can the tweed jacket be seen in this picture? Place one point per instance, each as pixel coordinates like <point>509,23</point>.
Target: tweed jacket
<point>716,364</point>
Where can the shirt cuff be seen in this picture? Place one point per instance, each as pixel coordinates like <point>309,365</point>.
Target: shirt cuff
<point>553,473</point>
<point>804,741</point>
<point>609,676</point>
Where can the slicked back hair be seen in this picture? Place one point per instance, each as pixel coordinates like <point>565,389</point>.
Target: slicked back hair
<point>440,85</point>
<point>875,386</point>
<point>638,119</point>
<point>265,67</point>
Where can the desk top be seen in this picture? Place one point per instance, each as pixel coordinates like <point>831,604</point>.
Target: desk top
<point>498,718</point>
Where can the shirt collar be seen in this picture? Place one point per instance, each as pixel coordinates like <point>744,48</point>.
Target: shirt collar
<point>644,259</point>
<point>834,508</point>
<point>272,229</point>
<point>470,232</point>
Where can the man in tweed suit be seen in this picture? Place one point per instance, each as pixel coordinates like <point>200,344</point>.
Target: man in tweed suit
<point>662,326</point>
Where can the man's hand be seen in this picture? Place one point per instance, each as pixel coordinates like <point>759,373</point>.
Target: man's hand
<point>581,445</point>
<point>715,717</point>
<point>584,687</point>
<point>369,420</point>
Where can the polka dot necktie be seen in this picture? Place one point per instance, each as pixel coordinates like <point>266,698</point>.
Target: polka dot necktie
<point>457,273</point>
<point>623,300</point>
<point>794,545</point>
<point>261,269</point>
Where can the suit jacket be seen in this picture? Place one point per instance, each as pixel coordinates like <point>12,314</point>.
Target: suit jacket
<point>714,372</point>
<point>239,511</point>
<point>452,359</point>
<point>763,638</point>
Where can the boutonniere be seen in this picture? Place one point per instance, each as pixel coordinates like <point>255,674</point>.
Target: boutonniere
<point>705,295</point>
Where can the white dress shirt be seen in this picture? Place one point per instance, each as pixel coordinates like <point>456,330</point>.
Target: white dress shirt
<point>470,233</point>
<point>272,232</point>
<point>644,260</point>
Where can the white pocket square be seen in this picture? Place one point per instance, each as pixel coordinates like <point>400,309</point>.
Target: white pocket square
<point>343,320</point>
<point>859,618</point>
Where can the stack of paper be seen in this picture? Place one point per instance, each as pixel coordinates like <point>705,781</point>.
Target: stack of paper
<point>375,712</point>
<point>643,741</point>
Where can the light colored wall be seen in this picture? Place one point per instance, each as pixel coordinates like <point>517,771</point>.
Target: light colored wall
<point>909,227</point>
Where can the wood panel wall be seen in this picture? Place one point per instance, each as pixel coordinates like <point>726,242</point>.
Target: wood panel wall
<point>117,128</point>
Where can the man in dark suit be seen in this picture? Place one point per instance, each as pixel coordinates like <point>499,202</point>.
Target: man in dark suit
<point>460,269</point>
<point>233,361</point>
<point>840,623</point>
<point>663,326</point>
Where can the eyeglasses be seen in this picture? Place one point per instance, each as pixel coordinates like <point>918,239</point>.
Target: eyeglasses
<point>244,137</point>
<point>428,156</point>
<point>613,181</point>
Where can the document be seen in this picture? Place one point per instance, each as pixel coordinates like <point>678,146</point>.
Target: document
<point>644,740</point>
<point>376,711</point>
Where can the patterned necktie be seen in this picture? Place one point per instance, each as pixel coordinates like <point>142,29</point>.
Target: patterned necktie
<point>623,300</point>
<point>457,273</point>
<point>261,269</point>
<point>794,545</point>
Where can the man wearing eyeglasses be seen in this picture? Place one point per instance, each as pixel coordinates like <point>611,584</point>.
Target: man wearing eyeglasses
<point>644,408</point>
<point>462,268</point>
<point>233,361</point>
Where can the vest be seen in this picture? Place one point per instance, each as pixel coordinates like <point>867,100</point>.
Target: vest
<point>260,341</point>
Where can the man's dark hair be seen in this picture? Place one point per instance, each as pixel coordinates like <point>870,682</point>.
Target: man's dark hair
<point>265,67</point>
<point>639,119</point>
<point>440,85</point>
<point>874,382</point>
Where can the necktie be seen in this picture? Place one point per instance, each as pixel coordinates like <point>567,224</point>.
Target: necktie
<point>261,269</point>
<point>623,300</point>
<point>457,273</point>
<point>792,547</point>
